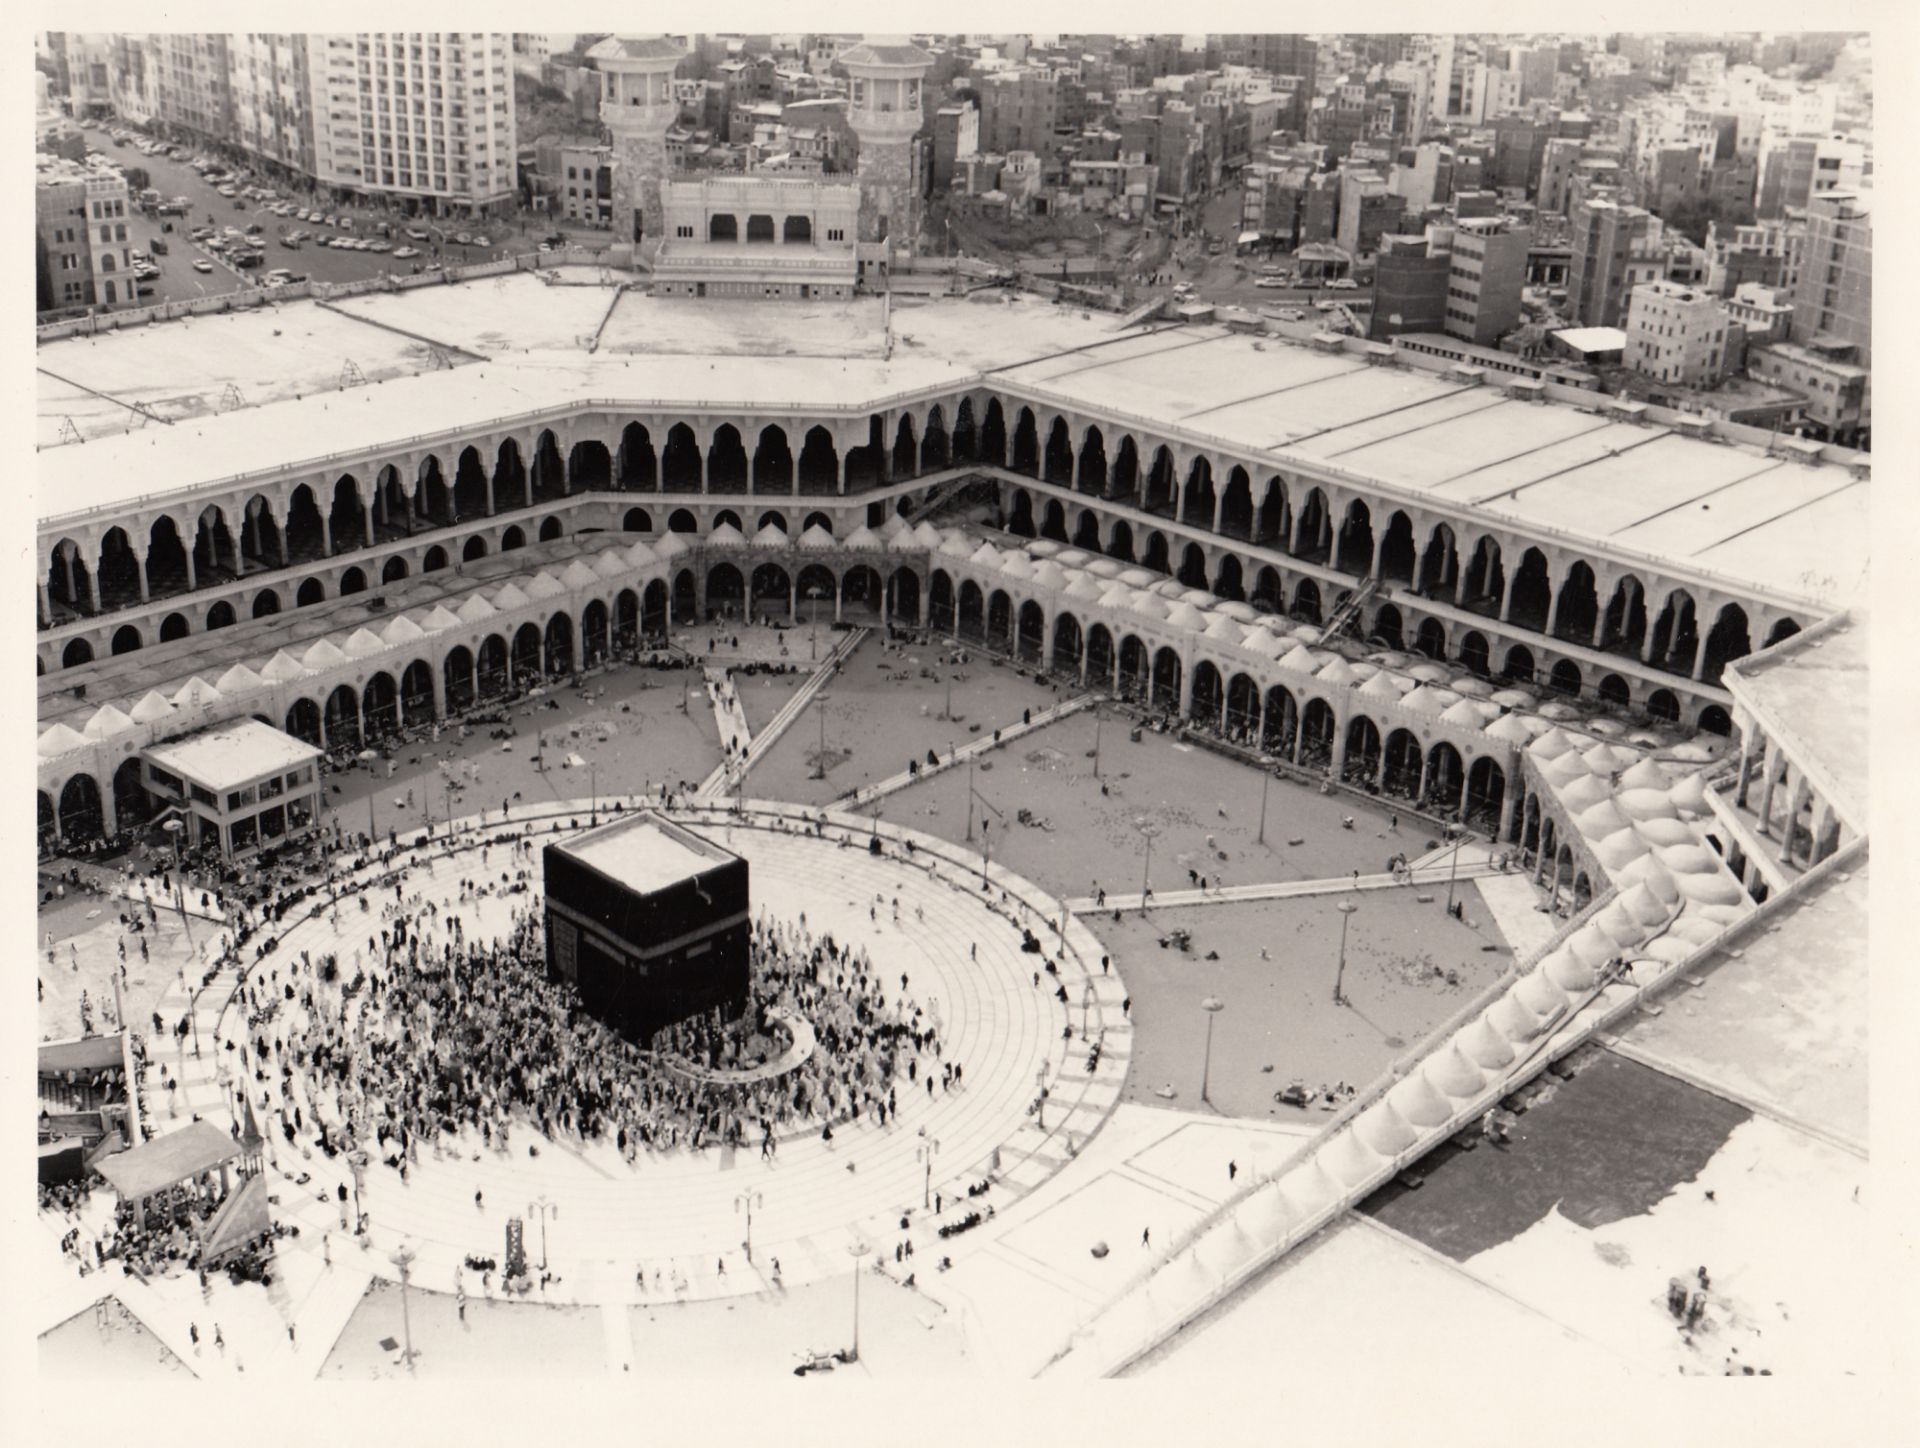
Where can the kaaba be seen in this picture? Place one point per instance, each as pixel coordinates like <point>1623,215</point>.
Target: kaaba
<point>648,922</point>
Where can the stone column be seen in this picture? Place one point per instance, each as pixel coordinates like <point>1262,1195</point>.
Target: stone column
<point>326,536</point>
<point>1509,805</point>
<point>145,595</point>
<point>1796,798</point>
<point>193,580</point>
<point>1746,762</point>
<point>1770,762</point>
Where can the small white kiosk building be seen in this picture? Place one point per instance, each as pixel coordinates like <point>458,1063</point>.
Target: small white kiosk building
<point>243,785</point>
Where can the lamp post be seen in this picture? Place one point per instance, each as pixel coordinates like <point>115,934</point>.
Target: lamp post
<point>1212,1005</point>
<point>925,1153</point>
<point>1097,720</point>
<point>1147,831</point>
<point>820,705</point>
<point>969,799</point>
<point>1346,909</point>
<point>543,1209</point>
<point>1040,1099</point>
<point>402,1257</point>
<point>1266,779</point>
<point>1453,864</point>
<point>746,1202</point>
<point>856,1249</point>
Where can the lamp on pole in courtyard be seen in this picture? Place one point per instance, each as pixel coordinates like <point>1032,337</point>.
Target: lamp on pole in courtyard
<point>820,709</point>
<point>593,776</point>
<point>1461,836</point>
<point>1147,831</point>
<point>1212,1005</point>
<point>746,1202</point>
<point>856,1249</point>
<point>925,1153</point>
<point>1097,720</point>
<point>544,1209</point>
<point>402,1257</point>
<point>1346,909</point>
<point>1266,778</point>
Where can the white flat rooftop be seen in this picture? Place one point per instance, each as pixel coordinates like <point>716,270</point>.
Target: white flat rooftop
<point>1728,511</point>
<point>234,754</point>
<point>1812,692</point>
<point>646,853</point>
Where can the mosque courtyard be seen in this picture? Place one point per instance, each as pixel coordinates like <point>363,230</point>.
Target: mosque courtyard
<point>643,1267</point>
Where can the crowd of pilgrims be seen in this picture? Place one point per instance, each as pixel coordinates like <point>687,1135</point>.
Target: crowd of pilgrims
<point>176,1219</point>
<point>428,1032</point>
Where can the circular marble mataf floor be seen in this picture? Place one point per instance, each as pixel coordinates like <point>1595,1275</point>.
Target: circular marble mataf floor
<point>679,1214</point>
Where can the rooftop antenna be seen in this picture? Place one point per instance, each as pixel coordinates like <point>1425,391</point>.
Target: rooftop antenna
<point>231,396</point>
<point>351,375</point>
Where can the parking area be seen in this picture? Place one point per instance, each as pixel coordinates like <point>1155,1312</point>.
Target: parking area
<point>180,280</point>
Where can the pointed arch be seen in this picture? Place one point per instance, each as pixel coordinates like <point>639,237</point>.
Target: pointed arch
<point>1353,552</point>
<point>1091,473</point>
<point>680,461</point>
<point>639,468</point>
<point>726,461</point>
<point>1058,458</point>
<point>1197,499</point>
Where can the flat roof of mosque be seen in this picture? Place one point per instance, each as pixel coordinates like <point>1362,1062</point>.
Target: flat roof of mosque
<point>263,392</point>
<point>1811,694</point>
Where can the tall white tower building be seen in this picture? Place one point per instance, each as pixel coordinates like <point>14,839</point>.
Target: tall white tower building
<point>637,107</point>
<point>884,111</point>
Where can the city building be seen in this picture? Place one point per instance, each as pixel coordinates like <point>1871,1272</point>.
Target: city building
<point>1833,292</point>
<point>1603,236</point>
<point>1410,285</point>
<point>1368,211</point>
<point>1487,272</point>
<point>1837,389</point>
<point>80,224</point>
<point>584,184</point>
<point>423,119</point>
<point>956,133</point>
<point>1765,314</point>
<point>1677,334</point>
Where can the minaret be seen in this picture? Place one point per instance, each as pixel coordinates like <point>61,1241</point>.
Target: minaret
<point>637,106</point>
<point>886,74</point>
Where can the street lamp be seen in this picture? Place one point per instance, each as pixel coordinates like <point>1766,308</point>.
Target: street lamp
<point>856,1249</point>
<point>925,1153</point>
<point>402,1257</point>
<point>543,1209</point>
<point>1212,1005</point>
<point>1266,779</point>
<point>1346,909</point>
<point>747,1201</point>
<point>1040,1101</point>
<point>1097,720</point>
<point>820,709</point>
<point>1147,831</point>
<point>1453,864</point>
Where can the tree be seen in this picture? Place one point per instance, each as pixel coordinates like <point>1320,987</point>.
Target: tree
<point>137,179</point>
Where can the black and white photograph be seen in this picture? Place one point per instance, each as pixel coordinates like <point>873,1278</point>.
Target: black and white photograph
<point>954,710</point>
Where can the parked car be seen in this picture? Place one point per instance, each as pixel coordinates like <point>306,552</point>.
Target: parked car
<point>465,238</point>
<point>202,265</point>
<point>480,240</point>
<point>159,247</point>
<point>414,233</point>
<point>1344,284</point>
<point>402,253</point>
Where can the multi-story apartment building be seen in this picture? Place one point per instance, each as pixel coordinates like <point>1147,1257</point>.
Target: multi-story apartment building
<point>1833,292</point>
<point>423,117</point>
<point>1603,238</point>
<point>1838,390</point>
<point>584,184</point>
<point>80,216</point>
<point>1484,280</point>
<point>1677,334</point>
